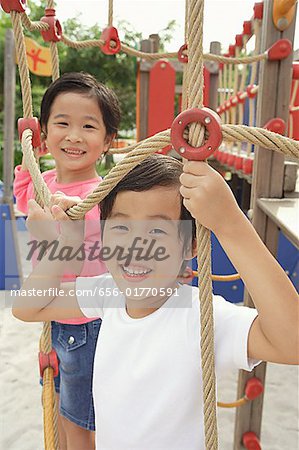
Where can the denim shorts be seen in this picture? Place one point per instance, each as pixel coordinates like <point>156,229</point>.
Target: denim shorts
<point>75,347</point>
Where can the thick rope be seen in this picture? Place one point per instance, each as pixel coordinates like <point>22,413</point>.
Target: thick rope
<point>23,66</point>
<point>110,13</point>
<point>195,69</point>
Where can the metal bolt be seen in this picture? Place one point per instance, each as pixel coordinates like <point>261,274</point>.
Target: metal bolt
<point>234,287</point>
<point>180,122</point>
<point>163,65</point>
<point>209,148</point>
<point>71,340</point>
<point>182,150</point>
<point>207,120</point>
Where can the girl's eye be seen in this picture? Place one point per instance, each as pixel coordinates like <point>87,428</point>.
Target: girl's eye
<point>65,124</point>
<point>157,231</point>
<point>89,126</point>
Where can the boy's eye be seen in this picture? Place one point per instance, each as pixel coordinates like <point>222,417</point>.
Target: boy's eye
<point>88,126</point>
<point>120,228</point>
<point>157,231</point>
<point>65,124</point>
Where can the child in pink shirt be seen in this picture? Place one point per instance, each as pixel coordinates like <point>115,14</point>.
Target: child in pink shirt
<point>79,119</point>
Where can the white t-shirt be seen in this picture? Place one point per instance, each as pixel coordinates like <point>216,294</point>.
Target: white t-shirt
<point>147,381</point>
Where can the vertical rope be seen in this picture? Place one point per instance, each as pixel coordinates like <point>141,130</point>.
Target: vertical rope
<point>23,64</point>
<point>195,68</point>
<point>185,68</point>
<point>110,13</point>
<point>54,60</point>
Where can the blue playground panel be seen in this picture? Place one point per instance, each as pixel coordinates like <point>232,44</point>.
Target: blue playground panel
<point>9,274</point>
<point>288,257</point>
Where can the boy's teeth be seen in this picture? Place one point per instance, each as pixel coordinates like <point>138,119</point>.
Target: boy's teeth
<point>136,271</point>
<point>74,152</point>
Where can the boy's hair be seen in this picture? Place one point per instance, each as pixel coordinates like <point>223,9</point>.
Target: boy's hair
<point>83,83</point>
<point>154,171</point>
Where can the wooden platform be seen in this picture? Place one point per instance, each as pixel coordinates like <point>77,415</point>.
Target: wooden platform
<point>285,214</point>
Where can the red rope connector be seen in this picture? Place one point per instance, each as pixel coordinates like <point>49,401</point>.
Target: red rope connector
<point>241,100</point>
<point>54,33</point>
<point>109,35</point>
<point>232,51</point>
<point>239,40</point>
<point>164,150</point>
<point>204,116</point>
<point>247,28</point>
<point>33,124</point>
<point>48,360</point>
<point>258,11</point>
<point>250,92</point>
<point>253,388</point>
<point>13,5</point>
<point>280,50</point>
<point>182,56</point>
<point>277,125</point>
<point>251,441</point>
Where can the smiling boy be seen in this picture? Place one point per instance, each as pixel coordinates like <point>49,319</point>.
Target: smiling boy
<point>147,383</point>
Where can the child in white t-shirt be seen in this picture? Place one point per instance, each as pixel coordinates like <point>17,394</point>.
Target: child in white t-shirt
<point>147,375</point>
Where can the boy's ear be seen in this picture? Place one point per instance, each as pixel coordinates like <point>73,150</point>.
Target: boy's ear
<point>192,251</point>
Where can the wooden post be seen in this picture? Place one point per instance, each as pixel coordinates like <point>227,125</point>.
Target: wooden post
<point>213,68</point>
<point>9,115</point>
<point>273,101</point>
<point>142,94</point>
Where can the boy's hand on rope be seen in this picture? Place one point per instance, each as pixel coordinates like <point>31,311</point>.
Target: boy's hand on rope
<point>208,197</point>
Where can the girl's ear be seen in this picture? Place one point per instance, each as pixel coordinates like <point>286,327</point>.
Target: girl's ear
<point>108,141</point>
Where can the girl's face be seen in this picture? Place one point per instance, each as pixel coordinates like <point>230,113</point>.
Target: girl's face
<point>76,136</point>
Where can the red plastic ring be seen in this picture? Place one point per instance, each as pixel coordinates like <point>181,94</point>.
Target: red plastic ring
<point>182,57</point>
<point>13,5</point>
<point>54,33</point>
<point>206,117</point>
<point>48,360</point>
<point>110,34</point>
<point>33,124</point>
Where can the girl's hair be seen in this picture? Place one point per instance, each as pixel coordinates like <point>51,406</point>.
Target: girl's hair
<point>83,83</point>
<point>154,171</point>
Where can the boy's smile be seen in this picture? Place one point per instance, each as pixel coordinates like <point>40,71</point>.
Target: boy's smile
<point>145,225</point>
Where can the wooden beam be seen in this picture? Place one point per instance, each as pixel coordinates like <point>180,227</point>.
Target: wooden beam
<point>273,101</point>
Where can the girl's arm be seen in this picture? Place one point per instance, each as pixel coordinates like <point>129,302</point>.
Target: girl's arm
<point>274,335</point>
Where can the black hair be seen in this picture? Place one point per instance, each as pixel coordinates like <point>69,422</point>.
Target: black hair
<point>156,170</point>
<point>83,83</point>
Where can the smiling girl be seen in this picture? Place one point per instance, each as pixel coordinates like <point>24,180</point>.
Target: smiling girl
<point>79,119</point>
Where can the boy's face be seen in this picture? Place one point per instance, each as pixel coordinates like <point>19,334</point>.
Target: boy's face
<point>145,225</point>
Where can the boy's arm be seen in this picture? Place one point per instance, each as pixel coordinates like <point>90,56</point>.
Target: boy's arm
<point>45,298</point>
<point>274,335</point>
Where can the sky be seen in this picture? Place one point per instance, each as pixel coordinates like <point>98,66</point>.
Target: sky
<point>223,18</point>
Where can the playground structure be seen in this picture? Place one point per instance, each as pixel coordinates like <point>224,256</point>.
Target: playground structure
<point>264,184</point>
